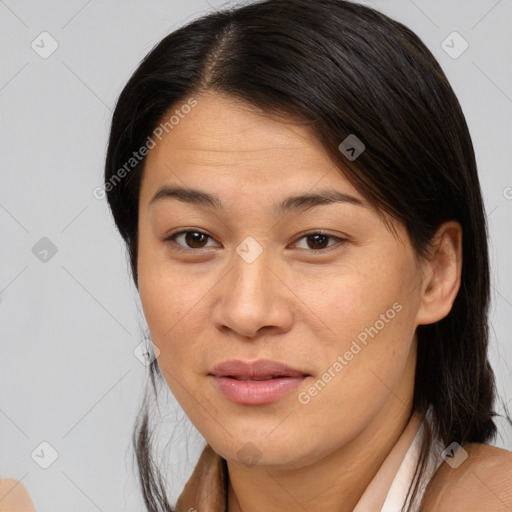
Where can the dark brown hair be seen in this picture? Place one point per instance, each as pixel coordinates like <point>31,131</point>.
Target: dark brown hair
<point>343,69</point>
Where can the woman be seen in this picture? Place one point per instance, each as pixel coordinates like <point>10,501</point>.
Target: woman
<point>297,189</point>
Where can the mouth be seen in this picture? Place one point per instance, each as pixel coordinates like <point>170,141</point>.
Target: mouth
<point>260,369</point>
<point>256,383</point>
<point>267,377</point>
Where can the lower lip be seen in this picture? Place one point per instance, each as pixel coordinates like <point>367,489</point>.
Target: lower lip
<point>256,392</point>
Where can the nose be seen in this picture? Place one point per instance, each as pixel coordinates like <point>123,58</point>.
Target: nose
<point>254,299</point>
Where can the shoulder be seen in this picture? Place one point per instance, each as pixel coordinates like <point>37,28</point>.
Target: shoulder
<point>14,496</point>
<point>483,481</point>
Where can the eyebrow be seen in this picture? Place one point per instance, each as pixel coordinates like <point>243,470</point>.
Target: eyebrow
<point>296,203</point>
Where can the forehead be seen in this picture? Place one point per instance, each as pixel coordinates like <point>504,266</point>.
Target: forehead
<point>252,162</point>
<point>222,138</point>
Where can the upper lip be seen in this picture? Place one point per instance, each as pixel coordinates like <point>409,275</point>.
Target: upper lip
<point>252,369</point>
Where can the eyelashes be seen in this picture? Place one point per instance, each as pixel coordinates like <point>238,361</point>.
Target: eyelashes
<point>174,237</point>
<point>197,237</point>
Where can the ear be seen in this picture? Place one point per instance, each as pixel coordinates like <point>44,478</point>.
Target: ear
<point>441,274</point>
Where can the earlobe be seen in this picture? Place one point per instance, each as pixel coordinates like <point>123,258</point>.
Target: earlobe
<point>442,274</point>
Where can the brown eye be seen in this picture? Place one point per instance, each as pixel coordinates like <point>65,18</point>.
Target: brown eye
<point>319,242</point>
<point>191,239</point>
<point>195,239</point>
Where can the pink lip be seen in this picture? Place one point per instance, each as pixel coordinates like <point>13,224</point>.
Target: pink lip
<point>256,392</point>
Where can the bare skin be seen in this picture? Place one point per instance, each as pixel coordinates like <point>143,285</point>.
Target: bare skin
<point>14,496</point>
<point>482,482</point>
<point>205,304</point>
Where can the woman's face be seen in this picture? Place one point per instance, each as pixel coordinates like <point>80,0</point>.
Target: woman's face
<point>252,278</point>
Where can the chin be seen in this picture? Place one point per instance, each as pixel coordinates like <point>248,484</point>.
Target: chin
<point>264,453</point>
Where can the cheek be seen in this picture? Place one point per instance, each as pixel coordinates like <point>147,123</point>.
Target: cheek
<point>172,332</point>
<point>175,315</point>
<point>355,300</point>
<point>162,308</point>
<point>167,295</point>
<point>165,313</point>
<point>371,324</point>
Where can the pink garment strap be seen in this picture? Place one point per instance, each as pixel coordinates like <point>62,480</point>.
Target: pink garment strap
<point>391,473</point>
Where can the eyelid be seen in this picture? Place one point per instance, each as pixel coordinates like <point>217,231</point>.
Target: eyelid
<point>339,240</point>
<point>170,240</point>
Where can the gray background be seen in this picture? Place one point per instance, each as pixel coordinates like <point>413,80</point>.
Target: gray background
<point>70,324</point>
